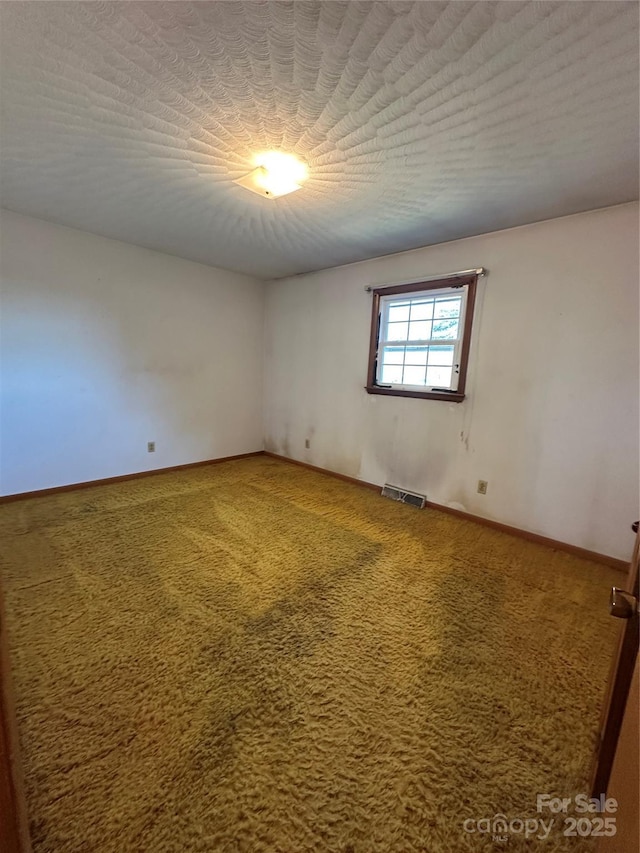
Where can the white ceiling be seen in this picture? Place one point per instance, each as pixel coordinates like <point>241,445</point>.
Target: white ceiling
<point>420,122</point>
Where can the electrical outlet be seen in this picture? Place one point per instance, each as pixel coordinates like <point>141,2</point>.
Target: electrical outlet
<point>151,447</point>
<point>482,487</point>
<point>307,443</point>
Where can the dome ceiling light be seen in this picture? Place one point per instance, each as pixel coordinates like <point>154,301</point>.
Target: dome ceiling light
<point>276,174</point>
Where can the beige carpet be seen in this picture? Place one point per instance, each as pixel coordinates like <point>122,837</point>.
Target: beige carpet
<point>254,657</point>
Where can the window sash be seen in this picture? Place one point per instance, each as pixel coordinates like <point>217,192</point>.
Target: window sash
<point>435,296</point>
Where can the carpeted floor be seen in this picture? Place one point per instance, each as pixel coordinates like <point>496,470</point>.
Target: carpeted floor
<point>255,657</point>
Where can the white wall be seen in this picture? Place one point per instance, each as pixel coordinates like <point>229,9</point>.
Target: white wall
<point>105,346</point>
<point>551,416</point>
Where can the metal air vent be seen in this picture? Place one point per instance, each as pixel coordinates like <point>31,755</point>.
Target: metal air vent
<point>402,495</point>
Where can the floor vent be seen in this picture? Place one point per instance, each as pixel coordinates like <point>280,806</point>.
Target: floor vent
<point>402,495</point>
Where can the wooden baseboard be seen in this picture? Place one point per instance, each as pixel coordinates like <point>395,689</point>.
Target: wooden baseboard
<point>614,562</point>
<point>335,474</point>
<point>71,487</point>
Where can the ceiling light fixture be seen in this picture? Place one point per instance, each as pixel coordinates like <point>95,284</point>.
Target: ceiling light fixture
<point>276,174</point>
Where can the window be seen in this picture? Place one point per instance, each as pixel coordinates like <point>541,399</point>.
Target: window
<point>420,336</point>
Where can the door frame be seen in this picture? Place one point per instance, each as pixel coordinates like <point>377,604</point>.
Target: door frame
<point>618,686</point>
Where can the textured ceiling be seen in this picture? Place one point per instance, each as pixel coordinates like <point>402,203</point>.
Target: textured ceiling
<point>420,122</point>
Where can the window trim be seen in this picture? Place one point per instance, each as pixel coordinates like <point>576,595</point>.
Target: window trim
<point>445,293</point>
<point>458,396</point>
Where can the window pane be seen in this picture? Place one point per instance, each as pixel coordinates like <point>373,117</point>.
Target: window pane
<point>422,310</point>
<point>419,330</point>
<point>391,373</point>
<point>416,355</point>
<point>440,355</point>
<point>413,375</point>
<point>397,331</point>
<point>447,329</point>
<point>448,308</point>
<point>439,377</point>
<point>393,355</point>
<point>398,312</point>
<point>420,338</point>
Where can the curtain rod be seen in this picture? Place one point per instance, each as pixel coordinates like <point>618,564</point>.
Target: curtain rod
<point>479,271</point>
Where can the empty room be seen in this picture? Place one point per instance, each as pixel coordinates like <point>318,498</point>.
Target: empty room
<point>319,426</point>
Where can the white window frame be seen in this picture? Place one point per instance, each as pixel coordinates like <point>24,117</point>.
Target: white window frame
<point>439,294</point>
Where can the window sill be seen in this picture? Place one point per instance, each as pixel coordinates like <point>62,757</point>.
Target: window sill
<point>451,397</point>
